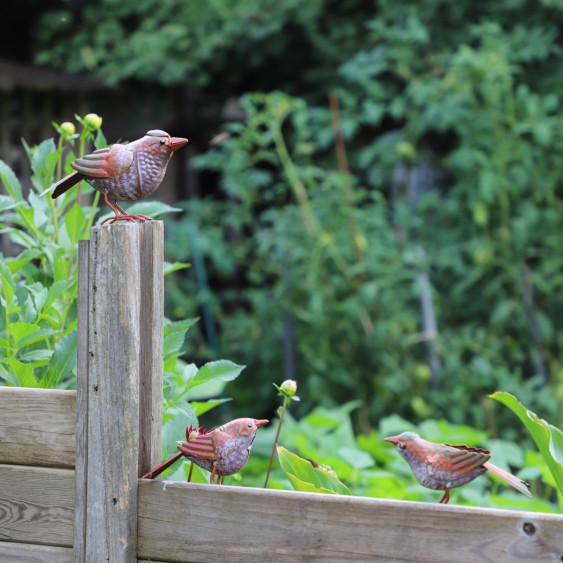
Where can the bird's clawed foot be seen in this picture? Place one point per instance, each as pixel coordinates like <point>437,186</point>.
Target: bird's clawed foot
<point>121,214</point>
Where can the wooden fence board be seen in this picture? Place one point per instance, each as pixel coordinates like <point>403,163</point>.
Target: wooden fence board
<point>37,427</point>
<point>191,522</point>
<point>28,553</point>
<point>36,505</point>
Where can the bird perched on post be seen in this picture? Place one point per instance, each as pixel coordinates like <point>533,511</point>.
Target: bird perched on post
<point>222,451</point>
<point>444,466</point>
<point>124,172</point>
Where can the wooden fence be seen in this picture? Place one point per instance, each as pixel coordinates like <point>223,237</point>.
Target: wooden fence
<point>69,462</point>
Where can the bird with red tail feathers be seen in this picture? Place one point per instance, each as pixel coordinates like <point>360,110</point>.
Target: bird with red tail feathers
<point>222,451</point>
<point>124,172</point>
<point>445,466</point>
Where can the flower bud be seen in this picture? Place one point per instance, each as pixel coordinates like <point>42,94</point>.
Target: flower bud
<point>93,121</point>
<point>289,387</point>
<point>67,129</point>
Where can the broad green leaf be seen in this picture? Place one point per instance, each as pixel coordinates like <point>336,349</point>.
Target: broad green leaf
<point>170,267</point>
<point>75,221</point>
<point>57,289</point>
<point>36,336</point>
<point>305,477</point>
<point>22,372</point>
<point>20,330</point>
<point>63,360</point>
<point>548,438</point>
<point>10,181</point>
<point>22,259</point>
<point>222,370</point>
<point>201,407</point>
<point>6,202</point>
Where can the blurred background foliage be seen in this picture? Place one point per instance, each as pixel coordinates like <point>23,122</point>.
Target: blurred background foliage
<point>384,223</point>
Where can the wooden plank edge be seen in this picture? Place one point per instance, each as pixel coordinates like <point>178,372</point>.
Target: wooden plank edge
<point>34,553</point>
<point>192,522</point>
<point>36,505</point>
<point>45,436</point>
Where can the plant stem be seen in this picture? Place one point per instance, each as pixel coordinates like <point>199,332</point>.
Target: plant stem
<point>284,406</point>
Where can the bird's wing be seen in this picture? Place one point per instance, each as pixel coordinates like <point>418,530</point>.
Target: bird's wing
<point>204,446</point>
<point>465,459</point>
<point>518,484</point>
<point>105,163</point>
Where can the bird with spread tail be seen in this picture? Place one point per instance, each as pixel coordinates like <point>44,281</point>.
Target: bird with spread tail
<point>124,172</point>
<point>445,466</point>
<point>222,451</point>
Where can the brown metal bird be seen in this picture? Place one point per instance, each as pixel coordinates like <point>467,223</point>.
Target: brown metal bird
<point>222,451</point>
<point>124,172</point>
<point>444,466</point>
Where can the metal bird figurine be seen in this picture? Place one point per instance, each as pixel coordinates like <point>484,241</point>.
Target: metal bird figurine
<point>124,172</point>
<point>222,451</point>
<point>444,466</point>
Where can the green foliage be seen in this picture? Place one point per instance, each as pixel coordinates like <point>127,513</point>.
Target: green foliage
<point>38,295</point>
<point>368,466</point>
<point>304,476</point>
<point>548,438</point>
<point>174,42</point>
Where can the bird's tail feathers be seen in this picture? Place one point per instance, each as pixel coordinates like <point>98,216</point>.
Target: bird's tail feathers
<point>63,185</point>
<point>518,484</point>
<point>153,473</point>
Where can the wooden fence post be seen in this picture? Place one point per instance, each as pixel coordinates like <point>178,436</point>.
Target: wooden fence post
<point>119,391</point>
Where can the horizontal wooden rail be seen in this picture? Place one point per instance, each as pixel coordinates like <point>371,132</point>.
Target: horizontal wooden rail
<point>26,553</point>
<point>180,522</point>
<point>36,505</point>
<point>37,427</point>
<point>191,522</point>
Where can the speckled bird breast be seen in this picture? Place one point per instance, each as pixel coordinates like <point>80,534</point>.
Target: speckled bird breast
<point>232,455</point>
<point>139,180</point>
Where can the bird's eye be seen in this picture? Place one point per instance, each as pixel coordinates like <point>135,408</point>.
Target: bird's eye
<point>250,425</point>
<point>402,446</point>
<point>162,141</point>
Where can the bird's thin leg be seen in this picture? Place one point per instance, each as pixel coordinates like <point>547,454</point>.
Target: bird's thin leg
<point>139,217</point>
<point>212,479</point>
<point>120,214</point>
<point>446,497</point>
<point>191,471</point>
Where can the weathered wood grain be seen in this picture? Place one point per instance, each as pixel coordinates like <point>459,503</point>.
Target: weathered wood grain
<point>29,553</point>
<point>151,342</point>
<point>113,393</point>
<point>37,426</point>
<point>82,403</point>
<point>192,522</point>
<point>36,505</point>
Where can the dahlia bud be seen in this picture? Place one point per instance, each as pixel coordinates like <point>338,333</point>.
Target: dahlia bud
<point>67,129</point>
<point>289,387</point>
<point>93,121</point>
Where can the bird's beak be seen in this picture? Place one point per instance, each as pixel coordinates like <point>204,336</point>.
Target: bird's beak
<point>392,439</point>
<point>260,422</point>
<point>176,143</point>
